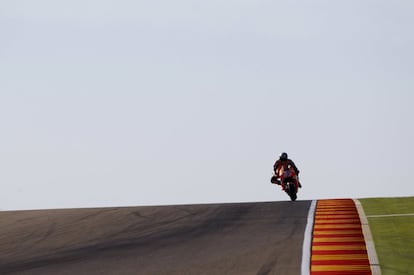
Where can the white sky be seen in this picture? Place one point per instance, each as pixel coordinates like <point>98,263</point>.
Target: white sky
<point>112,103</point>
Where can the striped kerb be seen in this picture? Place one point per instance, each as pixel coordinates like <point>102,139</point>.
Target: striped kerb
<point>338,245</point>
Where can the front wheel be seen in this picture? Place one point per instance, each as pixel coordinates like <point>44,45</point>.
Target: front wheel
<point>292,191</point>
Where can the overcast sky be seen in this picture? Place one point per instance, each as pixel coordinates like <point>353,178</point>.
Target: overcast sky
<point>119,103</point>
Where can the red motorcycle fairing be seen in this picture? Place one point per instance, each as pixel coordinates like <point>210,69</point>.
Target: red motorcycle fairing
<point>288,176</point>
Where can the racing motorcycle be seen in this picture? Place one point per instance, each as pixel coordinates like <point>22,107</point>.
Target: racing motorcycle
<point>289,181</point>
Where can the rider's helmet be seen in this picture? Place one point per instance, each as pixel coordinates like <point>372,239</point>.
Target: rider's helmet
<point>283,156</point>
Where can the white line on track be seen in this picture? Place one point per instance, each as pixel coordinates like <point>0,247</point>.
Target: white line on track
<point>307,240</point>
<point>390,215</point>
<point>372,254</point>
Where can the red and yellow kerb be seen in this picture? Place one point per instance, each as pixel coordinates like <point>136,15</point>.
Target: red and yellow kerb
<point>338,245</point>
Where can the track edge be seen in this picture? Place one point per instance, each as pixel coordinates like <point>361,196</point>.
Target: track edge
<point>307,240</point>
<point>372,254</point>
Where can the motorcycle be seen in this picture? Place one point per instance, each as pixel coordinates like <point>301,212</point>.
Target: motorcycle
<point>288,180</point>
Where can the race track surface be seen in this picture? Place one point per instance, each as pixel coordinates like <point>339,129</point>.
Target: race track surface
<point>237,238</point>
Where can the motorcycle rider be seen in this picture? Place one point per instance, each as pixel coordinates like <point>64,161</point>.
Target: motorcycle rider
<point>284,162</point>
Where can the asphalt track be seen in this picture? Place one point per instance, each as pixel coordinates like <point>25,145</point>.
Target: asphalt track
<point>237,238</point>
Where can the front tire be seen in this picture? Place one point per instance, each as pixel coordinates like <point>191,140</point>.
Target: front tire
<point>292,192</point>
